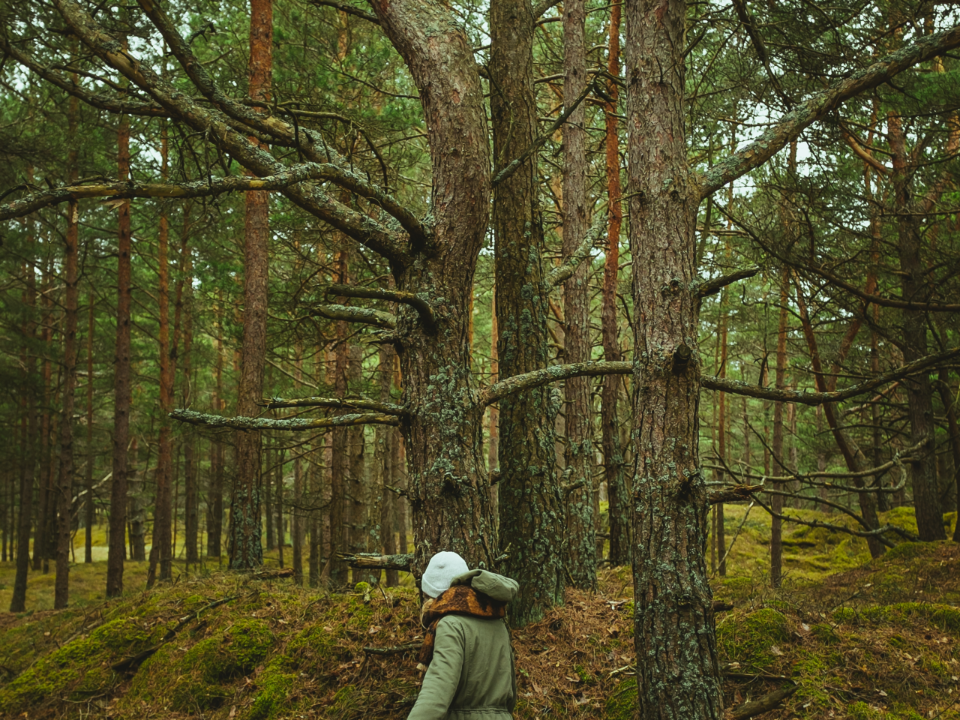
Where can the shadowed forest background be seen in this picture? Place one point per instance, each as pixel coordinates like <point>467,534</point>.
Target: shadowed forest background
<point>653,306</point>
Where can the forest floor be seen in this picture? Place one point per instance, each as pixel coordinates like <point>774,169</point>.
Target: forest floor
<point>858,638</point>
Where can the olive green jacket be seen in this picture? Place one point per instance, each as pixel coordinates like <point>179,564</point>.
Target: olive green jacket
<point>472,673</point>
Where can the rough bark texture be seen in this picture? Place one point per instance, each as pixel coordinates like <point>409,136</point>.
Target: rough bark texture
<point>246,551</point>
<point>674,625</point>
<point>191,508</point>
<point>64,492</point>
<point>448,488</point>
<point>948,396</point>
<point>531,513</point>
<point>617,492</point>
<point>914,287</point>
<point>580,546</point>
<point>215,487</point>
<point>720,530</point>
<point>88,497</point>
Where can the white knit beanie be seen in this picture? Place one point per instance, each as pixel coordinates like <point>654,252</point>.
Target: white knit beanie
<point>442,569</point>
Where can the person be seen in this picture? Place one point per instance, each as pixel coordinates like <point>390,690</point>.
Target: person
<point>466,648</point>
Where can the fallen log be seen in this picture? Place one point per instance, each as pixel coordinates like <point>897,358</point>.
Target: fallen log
<point>374,561</point>
<point>396,650</point>
<point>761,705</point>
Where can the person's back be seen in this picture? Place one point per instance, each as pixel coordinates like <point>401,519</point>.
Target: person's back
<point>467,649</point>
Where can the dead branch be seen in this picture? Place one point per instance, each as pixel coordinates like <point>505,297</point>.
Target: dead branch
<point>373,561</point>
<point>712,287</point>
<point>733,494</point>
<point>396,650</point>
<point>336,403</point>
<point>764,704</point>
<point>565,270</point>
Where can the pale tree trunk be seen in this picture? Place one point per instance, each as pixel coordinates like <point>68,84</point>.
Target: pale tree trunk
<point>674,626</point>
<point>64,493</point>
<point>580,547</point>
<point>245,549</point>
<point>613,460</point>
<point>531,514</point>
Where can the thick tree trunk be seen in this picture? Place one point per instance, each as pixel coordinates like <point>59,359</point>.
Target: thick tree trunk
<point>383,466</point>
<point>64,493</point>
<point>580,547</point>
<point>122,388</point>
<point>531,511</point>
<point>948,397</point>
<point>613,461</point>
<point>914,287</point>
<point>448,487</point>
<point>493,413</point>
<point>138,520</point>
<point>674,625</point>
<point>246,551</point>
<point>776,501</point>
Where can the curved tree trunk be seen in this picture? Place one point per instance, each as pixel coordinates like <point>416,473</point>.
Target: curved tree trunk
<point>674,625</point>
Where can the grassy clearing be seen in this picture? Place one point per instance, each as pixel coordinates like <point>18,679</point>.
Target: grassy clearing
<point>862,639</point>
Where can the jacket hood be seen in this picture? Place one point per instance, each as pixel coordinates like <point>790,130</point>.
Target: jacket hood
<point>497,587</point>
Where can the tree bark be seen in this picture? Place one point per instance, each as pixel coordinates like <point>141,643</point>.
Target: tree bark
<point>613,460</point>
<point>28,450</point>
<point>64,493</point>
<point>531,512</point>
<point>721,535</point>
<point>914,287</point>
<point>674,624</point>
<point>215,487</point>
<point>776,501</point>
<point>246,551</point>
<point>122,387</point>
<point>88,498</point>
<point>191,509</point>
<point>580,547</point>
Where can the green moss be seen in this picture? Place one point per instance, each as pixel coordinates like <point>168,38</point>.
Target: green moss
<point>273,695</point>
<point>747,639</point>
<point>862,711</point>
<point>905,551</point>
<point>79,669</point>
<point>348,698</point>
<point>825,634</point>
<point>945,617</point>
<point>622,703</point>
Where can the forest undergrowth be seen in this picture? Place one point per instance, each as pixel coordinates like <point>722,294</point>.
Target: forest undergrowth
<point>857,639</point>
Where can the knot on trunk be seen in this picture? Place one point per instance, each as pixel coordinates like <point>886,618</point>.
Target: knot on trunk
<point>681,358</point>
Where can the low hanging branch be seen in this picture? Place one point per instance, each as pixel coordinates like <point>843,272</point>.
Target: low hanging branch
<point>378,318</point>
<point>734,494</point>
<point>251,423</point>
<point>712,287</point>
<point>372,561</point>
<point>422,307</point>
<point>336,403</point>
<point>552,374</point>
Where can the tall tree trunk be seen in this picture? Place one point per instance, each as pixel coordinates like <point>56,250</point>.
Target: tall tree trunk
<point>42,530</point>
<point>269,534</point>
<point>948,397</point>
<point>215,488</point>
<point>281,539</point>
<point>721,535</point>
<point>776,501</point>
<point>28,449</point>
<point>674,625</point>
<point>531,514</point>
<point>340,535</point>
<point>122,387</point>
<point>914,287</point>
<point>246,551</point>
<point>382,464</point>
<point>580,547</point>
<point>88,498</point>
<point>297,517</point>
<point>617,492</point>
<point>191,509</point>
<point>160,550</point>
<point>493,415</point>
<point>138,520</point>
<point>71,316</point>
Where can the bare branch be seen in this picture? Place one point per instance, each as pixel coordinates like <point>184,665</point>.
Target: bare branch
<point>565,270</point>
<point>251,423</point>
<point>546,135</point>
<point>819,398</point>
<point>552,374</point>
<point>355,314</point>
<point>712,287</point>
<point>751,27</point>
<point>422,307</point>
<point>337,403</point>
<point>349,9</point>
<point>822,104</point>
<point>733,494</point>
<point>541,7</point>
